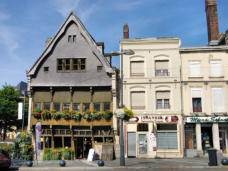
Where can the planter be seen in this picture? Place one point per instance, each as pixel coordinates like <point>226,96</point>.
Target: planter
<point>29,163</point>
<point>62,163</point>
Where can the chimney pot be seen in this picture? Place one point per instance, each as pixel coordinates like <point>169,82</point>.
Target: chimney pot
<point>125,31</point>
<point>212,19</point>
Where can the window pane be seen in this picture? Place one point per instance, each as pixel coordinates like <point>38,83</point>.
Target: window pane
<point>97,107</point>
<point>137,68</point>
<point>138,100</point>
<point>67,64</point>
<point>86,106</point>
<point>215,68</point>
<point>142,127</point>
<point>194,69</point>
<point>76,106</point>
<point>218,101</point>
<point>196,103</point>
<point>66,106</point>
<point>106,106</point>
<point>166,127</point>
<point>37,105</point>
<point>57,106</point>
<point>159,103</point>
<point>46,106</point>
<point>166,104</point>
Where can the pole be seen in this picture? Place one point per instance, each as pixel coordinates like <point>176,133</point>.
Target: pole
<point>23,114</point>
<point>122,159</point>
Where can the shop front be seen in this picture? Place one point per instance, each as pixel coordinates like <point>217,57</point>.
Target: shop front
<point>202,133</point>
<point>151,136</point>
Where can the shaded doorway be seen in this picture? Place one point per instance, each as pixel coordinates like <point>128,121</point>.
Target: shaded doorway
<point>207,139</point>
<point>82,146</point>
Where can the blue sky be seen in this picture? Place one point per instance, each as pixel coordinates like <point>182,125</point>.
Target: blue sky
<point>26,24</point>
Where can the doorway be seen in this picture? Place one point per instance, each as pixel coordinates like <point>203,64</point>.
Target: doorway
<point>82,146</point>
<point>207,139</point>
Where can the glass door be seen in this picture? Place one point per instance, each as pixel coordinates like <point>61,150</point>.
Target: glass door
<point>142,144</point>
<point>222,141</point>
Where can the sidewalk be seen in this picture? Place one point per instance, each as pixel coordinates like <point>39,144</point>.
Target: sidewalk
<point>131,163</point>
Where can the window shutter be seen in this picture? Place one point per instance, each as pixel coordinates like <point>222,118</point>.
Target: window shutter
<point>161,64</point>
<point>215,68</point>
<point>194,68</point>
<point>163,94</point>
<point>218,103</point>
<point>137,67</point>
<point>138,100</point>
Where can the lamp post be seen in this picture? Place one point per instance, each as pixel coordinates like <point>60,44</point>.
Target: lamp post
<point>120,115</point>
<point>23,113</point>
<point>120,112</point>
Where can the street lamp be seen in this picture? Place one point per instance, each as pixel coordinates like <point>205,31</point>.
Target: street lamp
<point>120,115</point>
<point>23,113</point>
<point>120,112</point>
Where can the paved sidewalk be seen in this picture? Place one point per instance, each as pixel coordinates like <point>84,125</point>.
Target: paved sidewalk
<point>129,163</point>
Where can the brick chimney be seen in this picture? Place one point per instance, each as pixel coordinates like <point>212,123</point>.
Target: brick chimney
<point>212,19</point>
<point>125,31</point>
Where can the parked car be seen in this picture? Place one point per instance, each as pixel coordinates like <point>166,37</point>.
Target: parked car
<point>5,160</point>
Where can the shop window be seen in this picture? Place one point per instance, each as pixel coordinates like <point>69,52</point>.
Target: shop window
<point>57,106</point>
<point>142,127</point>
<point>196,104</point>
<point>98,139</point>
<point>46,106</point>
<point>106,106</point>
<point>161,68</point>
<point>97,107</point>
<point>162,100</point>
<point>137,68</point>
<point>138,100</point>
<point>142,144</point>
<point>47,142</point>
<point>37,105</point>
<point>58,142</point>
<point>86,106</point>
<point>67,142</point>
<point>66,106</point>
<point>167,136</point>
<point>76,106</point>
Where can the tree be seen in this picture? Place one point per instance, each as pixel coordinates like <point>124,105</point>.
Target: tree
<point>9,98</point>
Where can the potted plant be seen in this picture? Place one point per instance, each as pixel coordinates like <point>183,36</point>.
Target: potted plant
<point>37,113</point>
<point>76,116</point>
<point>57,115</point>
<point>108,115</point>
<point>67,115</point>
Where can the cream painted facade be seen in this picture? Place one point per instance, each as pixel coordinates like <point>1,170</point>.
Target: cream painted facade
<point>150,87</point>
<point>205,98</point>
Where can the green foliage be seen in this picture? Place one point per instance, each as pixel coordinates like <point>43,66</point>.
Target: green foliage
<point>8,148</point>
<point>9,98</point>
<point>23,146</point>
<point>58,153</point>
<point>76,116</point>
<point>108,115</point>
<point>128,114</point>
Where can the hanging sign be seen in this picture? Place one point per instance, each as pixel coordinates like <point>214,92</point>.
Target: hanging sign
<point>38,139</point>
<point>20,106</point>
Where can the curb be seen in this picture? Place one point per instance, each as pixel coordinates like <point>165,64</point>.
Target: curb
<point>123,167</point>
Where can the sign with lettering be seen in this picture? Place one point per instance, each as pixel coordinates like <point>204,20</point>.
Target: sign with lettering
<point>207,119</point>
<point>149,118</point>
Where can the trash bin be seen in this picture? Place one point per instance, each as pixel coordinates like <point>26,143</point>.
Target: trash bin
<point>212,157</point>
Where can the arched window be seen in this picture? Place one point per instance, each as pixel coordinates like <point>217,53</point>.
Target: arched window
<point>137,66</point>
<point>161,66</point>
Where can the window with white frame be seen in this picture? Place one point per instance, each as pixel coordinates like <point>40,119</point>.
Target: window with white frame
<point>137,68</point>
<point>218,99</point>
<point>138,100</point>
<point>195,69</point>
<point>161,68</point>
<point>162,99</point>
<point>196,94</point>
<point>215,68</point>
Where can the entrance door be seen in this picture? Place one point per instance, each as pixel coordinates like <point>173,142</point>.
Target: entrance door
<point>78,144</point>
<point>142,144</point>
<point>222,140</point>
<point>131,144</point>
<point>87,146</point>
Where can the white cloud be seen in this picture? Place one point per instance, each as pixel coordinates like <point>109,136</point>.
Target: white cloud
<point>8,37</point>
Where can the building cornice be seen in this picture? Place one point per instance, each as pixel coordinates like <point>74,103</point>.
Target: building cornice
<point>203,49</point>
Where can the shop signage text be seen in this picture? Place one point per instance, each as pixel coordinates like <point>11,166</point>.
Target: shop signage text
<point>207,119</point>
<point>148,118</point>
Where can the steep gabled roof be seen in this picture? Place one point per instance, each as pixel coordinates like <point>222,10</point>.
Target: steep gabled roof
<point>71,18</point>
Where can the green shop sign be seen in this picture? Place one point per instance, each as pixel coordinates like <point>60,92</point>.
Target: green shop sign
<point>206,119</point>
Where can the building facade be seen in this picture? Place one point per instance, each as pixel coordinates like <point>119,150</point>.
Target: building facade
<point>151,89</point>
<point>70,91</point>
<point>204,87</point>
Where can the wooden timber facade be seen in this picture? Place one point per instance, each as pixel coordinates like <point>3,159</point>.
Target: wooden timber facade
<point>71,75</point>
